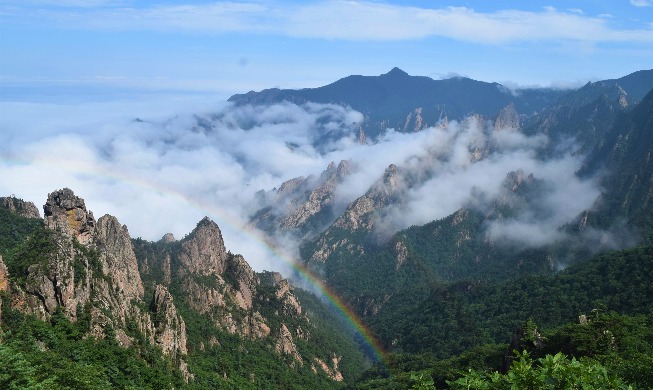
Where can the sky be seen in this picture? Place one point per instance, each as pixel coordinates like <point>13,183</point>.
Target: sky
<point>103,47</point>
<point>103,96</point>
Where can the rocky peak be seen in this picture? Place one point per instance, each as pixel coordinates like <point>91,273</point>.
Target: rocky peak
<point>203,251</point>
<point>623,97</point>
<point>289,186</point>
<point>20,207</point>
<point>514,179</point>
<point>117,256</point>
<point>320,197</point>
<point>508,118</point>
<point>66,213</point>
<point>414,120</point>
<point>362,138</point>
<point>168,237</point>
<point>390,175</point>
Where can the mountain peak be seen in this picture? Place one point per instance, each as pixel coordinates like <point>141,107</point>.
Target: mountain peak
<point>396,72</point>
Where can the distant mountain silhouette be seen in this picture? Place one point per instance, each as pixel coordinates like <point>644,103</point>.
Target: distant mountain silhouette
<point>388,99</point>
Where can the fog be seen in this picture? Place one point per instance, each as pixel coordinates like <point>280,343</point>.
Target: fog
<point>161,166</point>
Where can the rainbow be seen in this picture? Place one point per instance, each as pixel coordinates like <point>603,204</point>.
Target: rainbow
<point>372,347</point>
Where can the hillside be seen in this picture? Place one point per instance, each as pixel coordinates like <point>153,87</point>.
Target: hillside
<point>85,306</point>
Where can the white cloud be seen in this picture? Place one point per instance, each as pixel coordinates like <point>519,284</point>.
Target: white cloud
<point>164,172</point>
<point>640,3</point>
<point>349,20</point>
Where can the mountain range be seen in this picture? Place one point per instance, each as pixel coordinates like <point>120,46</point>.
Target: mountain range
<point>544,205</point>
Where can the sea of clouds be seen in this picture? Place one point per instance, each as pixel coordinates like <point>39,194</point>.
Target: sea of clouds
<point>161,166</point>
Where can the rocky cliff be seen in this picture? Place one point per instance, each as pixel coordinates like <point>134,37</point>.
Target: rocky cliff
<point>135,291</point>
<point>20,207</point>
<point>303,206</point>
<point>222,287</point>
<point>359,218</point>
<point>88,267</point>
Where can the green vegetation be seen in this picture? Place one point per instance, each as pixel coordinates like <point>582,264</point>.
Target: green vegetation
<point>14,229</point>
<point>58,354</point>
<point>605,350</point>
<point>550,372</point>
<point>219,359</point>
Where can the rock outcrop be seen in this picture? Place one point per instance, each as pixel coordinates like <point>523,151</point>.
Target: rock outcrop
<point>332,372</point>
<point>4,276</point>
<point>360,215</point>
<point>4,282</point>
<point>283,292</point>
<point>285,345</point>
<point>204,253</point>
<point>304,206</point>
<point>170,329</point>
<point>66,213</point>
<point>117,256</point>
<point>92,266</point>
<point>20,207</point>
<point>508,118</point>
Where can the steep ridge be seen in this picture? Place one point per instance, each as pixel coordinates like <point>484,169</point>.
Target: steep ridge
<point>394,99</point>
<point>189,299</point>
<point>410,103</point>
<point>302,206</point>
<point>377,279</point>
<point>81,267</point>
<point>625,152</point>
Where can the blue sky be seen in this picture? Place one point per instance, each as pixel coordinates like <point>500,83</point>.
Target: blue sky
<point>96,48</point>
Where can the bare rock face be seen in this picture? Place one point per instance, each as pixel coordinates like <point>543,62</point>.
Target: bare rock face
<point>303,206</point>
<point>4,281</point>
<point>379,195</point>
<point>415,121</point>
<point>54,283</point>
<point>285,345</point>
<point>401,253</point>
<point>246,279</point>
<point>66,213</point>
<point>332,372</point>
<point>362,138</point>
<point>204,253</point>
<point>95,264</point>
<point>170,328</point>
<point>508,118</point>
<point>4,276</point>
<point>321,196</point>
<point>168,237</point>
<point>117,256</point>
<point>217,283</point>
<point>20,207</point>
<point>360,215</point>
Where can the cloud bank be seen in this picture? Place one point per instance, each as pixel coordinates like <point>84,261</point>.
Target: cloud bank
<point>162,172</point>
<point>160,168</point>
